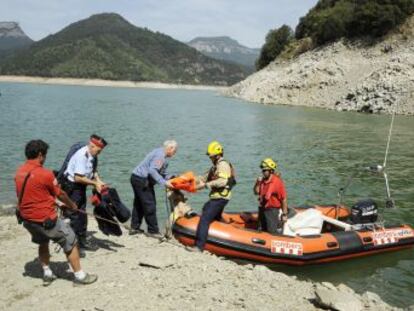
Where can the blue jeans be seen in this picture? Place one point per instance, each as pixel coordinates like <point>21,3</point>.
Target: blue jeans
<point>212,210</point>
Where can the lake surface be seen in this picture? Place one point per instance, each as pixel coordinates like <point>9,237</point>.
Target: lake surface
<point>316,150</point>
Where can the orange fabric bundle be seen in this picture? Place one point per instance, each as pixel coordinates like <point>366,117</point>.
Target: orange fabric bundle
<point>186,182</point>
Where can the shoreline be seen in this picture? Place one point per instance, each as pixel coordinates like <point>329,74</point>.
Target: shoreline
<point>108,83</point>
<point>140,271</point>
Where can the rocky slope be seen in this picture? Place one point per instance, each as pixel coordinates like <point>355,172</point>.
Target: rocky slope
<point>227,49</point>
<point>345,76</point>
<point>137,273</point>
<point>12,38</point>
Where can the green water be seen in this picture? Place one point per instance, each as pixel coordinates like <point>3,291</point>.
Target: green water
<point>316,150</point>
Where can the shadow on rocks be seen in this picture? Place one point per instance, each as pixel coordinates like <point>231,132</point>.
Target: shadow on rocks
<point>34,269</point>
<point>98,243</point>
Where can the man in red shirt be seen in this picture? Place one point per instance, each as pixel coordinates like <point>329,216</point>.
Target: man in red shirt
<point>37,190</point>
<point>272,197</point>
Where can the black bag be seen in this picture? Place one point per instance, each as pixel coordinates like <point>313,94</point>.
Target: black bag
<point>108,207</point>
<point>365,211</point>
<point>121,211</point>
<point>106,222</point>
<point>49,224</point>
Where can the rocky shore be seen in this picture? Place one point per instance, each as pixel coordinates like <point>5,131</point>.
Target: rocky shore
<point>344,76</point>
<point>137,272</point>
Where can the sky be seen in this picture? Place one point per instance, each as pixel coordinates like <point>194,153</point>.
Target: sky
<point>247,21</point>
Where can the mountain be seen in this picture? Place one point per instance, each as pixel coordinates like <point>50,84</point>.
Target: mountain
<point>227,49</point>
<point>106,46</point>
<point>12,36</point>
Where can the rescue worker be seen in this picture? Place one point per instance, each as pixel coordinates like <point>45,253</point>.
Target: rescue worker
<point>152,170</point>
<point>220,180</point>
<point>273,207</point>
<point>80,173</point>
<point>37,189</point>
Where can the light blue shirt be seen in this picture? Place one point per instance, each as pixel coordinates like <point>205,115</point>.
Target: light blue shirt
<point>81,163</point>
<point>154,165</point>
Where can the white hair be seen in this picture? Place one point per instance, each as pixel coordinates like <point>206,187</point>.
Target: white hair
<point>170,143</point>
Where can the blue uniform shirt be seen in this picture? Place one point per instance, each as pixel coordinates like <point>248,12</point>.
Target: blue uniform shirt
<point>155,165</point>
<point>81,163</point>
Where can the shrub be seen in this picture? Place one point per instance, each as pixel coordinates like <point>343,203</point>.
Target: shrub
<point>276,40</point>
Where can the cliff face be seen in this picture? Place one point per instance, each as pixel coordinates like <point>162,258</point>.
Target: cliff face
<point>343,76</point>
<point>12,36</point>
<point>227,49</point>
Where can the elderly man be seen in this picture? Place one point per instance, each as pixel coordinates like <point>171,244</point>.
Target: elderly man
<point>81,171</point>
<point>37,189</point>
<point>152,170</point>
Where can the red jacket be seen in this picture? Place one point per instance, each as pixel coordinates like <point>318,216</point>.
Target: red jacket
<point>38,202</point>
<point>272,192</point>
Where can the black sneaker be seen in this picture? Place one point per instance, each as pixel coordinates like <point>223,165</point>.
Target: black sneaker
<point>47,280</point>
<point>136,231</point>
<point>88,279</point>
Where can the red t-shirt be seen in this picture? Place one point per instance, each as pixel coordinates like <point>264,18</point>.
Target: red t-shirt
<point>272,192</point>
<point>38,202</point>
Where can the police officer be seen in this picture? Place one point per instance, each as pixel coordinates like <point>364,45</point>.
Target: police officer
<point>152,170</point>
<point>220,179</point>
<point>80,173</point>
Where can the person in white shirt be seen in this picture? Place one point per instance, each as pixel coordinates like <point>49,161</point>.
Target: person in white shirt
<point>81,172</point>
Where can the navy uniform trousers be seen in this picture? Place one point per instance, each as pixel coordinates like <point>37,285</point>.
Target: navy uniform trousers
<point>144,204</point>
<point>78,220</point>
<point>212,210</point>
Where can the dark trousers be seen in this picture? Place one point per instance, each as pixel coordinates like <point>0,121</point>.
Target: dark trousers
<point>212,210</point>
<point>269,219</point>
<point>78,220</point>
<point>144,204</point>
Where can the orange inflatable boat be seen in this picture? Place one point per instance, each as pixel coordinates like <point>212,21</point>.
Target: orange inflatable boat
<point>237,236</point>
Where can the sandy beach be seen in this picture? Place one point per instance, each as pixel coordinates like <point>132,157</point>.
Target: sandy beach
<point>137,272</point>
<point>107,83</point>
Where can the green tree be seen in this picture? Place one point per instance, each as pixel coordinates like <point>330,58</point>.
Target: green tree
<point>330,20</point>
<point>276,40</point>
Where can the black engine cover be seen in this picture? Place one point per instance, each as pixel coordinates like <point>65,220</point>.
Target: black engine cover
<point>365,211</point>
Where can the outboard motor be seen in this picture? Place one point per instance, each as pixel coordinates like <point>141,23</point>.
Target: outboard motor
<point>363,212</point>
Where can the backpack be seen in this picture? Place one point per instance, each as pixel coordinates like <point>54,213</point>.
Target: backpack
<point>72,150</point>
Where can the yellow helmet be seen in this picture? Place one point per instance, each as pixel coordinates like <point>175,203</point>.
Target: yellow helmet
<point>214,148</point>
<point>269,164</point>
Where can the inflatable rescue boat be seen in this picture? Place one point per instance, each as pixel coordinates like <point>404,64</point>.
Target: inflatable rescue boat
<point>315,234</point>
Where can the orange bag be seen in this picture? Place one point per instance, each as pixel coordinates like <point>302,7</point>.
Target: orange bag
<point>186,182</point>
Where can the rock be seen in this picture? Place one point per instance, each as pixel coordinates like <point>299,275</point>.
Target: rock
<point>344,288</point>
<point>344,77</point>
<point>157,263</point>
<point>338,300</point>
<point>328,285</point>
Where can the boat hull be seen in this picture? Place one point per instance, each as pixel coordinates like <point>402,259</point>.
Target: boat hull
<point>233,239</point>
